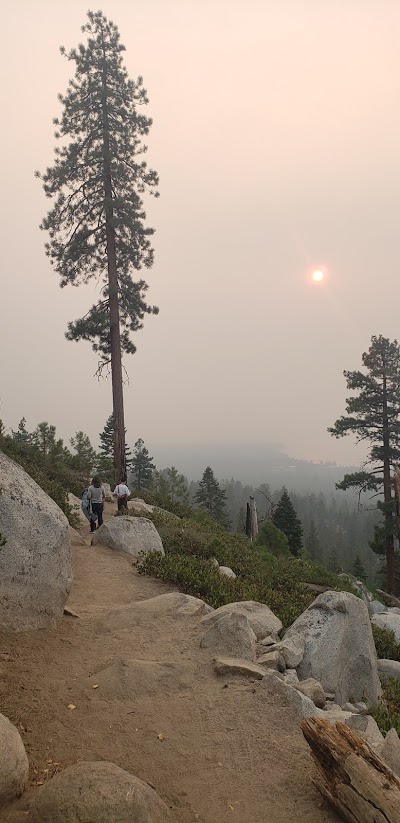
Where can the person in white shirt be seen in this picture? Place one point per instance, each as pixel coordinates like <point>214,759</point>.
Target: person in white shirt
<point>121,492</point>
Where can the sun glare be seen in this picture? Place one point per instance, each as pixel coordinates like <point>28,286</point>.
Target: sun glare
<point>317,275</point>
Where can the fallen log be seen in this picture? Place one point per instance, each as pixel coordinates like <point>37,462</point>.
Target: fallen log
<point>351,776</point>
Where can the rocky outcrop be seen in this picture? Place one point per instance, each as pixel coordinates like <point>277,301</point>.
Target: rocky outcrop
<point>390,620</point>
<point>231,635</point>
<point>14,766</point>
<point>97,793</point>
<point>134,535</point>
<point>339,647</point>
<point>35,563</point>
<point>261,619</point>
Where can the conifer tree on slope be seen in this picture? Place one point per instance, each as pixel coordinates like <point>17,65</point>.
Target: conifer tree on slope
<point>285,518</point>
<point>209,496</point>
<point>142,466</point>
<point>373,415</point>
<point>105,466</point>
<point>96,225</point>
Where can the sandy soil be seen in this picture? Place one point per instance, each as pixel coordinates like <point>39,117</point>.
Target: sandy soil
<point>215,749</point>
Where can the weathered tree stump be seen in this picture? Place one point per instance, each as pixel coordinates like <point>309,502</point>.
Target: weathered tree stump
<point>351,776</point>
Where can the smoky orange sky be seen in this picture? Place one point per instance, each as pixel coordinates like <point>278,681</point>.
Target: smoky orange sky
<point>277,139</point>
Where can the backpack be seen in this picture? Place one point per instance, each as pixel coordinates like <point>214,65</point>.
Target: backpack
<point>85,504</point>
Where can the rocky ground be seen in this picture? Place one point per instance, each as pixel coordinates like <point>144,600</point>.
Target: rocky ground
<point>126,681</point>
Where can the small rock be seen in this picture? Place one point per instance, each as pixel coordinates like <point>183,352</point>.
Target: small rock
<point>214,562</point>
<point>333,707</point>
<point>14,766</point>
<point>273,660</point>
<point>312,689</point>
<point>367,727</point>
<point>390,621</point>
<point>376,607</point>
<point>231,665</point>
<point>350,707</point>
<point>388,668</point>
<point>292,650</point>
<point>269,641</point>
<point>302,705</point>
<point>290,677</point>
<point>361,707</point>
<point>225,571</point>
<point>389,751</point>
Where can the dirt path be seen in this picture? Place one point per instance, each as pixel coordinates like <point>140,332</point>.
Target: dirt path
<point>216,750</point>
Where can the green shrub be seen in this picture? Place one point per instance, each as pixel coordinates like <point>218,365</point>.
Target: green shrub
<point>387,714</point>
<point>387,647</point>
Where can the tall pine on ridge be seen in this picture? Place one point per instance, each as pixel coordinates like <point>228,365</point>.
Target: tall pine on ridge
<point>209,496</point>
<point>373,415</point>
<point>142,466</point>
<point>96,225</point>
<point>285,519</point>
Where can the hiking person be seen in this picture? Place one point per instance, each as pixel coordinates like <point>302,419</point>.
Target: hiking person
<point>86,506</point>
<point>96,497</point>
<point>121,492</point>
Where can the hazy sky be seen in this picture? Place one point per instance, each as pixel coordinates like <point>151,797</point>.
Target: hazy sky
<point>277,139</point>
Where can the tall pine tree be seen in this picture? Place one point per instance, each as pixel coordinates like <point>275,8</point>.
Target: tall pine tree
<point>209,496</point>
<point>285,519</point>
<point>142,466</point>
<point>97,223</point>
<point>373,415</point>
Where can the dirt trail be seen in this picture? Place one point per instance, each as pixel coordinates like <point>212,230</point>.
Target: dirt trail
<point>229,749</point>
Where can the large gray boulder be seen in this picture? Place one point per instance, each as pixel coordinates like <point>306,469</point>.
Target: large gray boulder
<point>35,563</point>
<point>339,647</point>
<point>388,668</point>
<point>97,793</point>
<point>134,535</point>
<point>390,620</point>
<point>14,766</point>
<point>261,619</point>
<point>231,636</point>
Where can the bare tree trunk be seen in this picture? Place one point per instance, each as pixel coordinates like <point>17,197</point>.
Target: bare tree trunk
<point>253,519</point>
<point>387,493</point>
<point>115,336</point>
<point>351,776</point>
